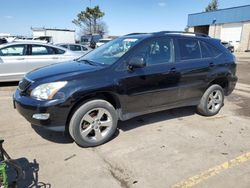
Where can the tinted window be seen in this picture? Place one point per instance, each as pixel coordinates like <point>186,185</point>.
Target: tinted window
<point>75,47</point>
<point>156,51</point>
<point>189,49</point>
<point>15,50</point>
<point>64,46</point>
<point>205,50</point>
<point>41,50</point>
<point>215,51</point>
<point>58,51</point>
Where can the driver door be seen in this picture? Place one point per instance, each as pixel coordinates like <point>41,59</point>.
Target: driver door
<point>154,85</point>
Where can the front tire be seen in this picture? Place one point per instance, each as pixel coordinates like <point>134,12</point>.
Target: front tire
<point>211,101</point>
<point>93,123</point>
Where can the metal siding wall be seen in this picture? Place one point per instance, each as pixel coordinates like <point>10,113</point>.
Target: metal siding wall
<point>232,15</point>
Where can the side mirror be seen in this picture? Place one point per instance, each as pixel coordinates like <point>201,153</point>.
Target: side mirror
<point>136,62</point>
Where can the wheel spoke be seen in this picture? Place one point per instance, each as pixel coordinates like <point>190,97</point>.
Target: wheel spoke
<point>98,134</point>
<point>86,131</point>
<point>100,113</point>
<point>216,95</point>
<point>88,118</point>
<point>106,123</point>
<point>210,104</point>
<point>213,107</point>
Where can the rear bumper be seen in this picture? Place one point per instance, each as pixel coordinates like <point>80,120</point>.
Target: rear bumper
<point>232,80</point>
<point>57,109</point>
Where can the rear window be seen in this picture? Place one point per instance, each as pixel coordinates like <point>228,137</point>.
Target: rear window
<point>189,49</point>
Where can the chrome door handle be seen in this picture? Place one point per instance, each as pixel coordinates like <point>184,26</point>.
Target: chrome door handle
<point>20,58</point>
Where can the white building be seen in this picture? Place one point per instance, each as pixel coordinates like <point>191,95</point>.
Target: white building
<point>230,25</point>
<point>54,35</point>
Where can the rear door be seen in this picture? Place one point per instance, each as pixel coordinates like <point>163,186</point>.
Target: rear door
<point>42,55</point>
<point>194,62</point>
<point>13,62</point>
<point>155,85</point>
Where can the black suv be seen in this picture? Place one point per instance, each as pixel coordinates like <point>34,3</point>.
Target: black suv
<point>132,75</point>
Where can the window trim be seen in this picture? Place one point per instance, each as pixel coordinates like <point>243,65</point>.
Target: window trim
<point>179,50</point>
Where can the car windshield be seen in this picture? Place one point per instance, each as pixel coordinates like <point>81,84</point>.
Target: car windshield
<point>110,52</point>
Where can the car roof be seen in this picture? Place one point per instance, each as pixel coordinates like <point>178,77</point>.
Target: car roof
<point>31,43</point>
<point>165,33</point>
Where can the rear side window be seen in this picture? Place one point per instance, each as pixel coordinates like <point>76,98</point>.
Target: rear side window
<point>189,49</point>
<point>41,50</point>
<point>64,46</point>
<point>58,51</point>
<point>75,47</point>
<point>206,50</point>
<point>15,50</point>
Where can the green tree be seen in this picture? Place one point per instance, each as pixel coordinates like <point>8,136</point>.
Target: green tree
<point>213,5</point>
<point>90,20</point>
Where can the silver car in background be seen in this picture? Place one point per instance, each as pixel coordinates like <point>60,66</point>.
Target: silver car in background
<point>78,48</point>
<point>16,59</point>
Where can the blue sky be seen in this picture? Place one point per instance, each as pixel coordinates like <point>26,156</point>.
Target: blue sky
<point>121,16</point>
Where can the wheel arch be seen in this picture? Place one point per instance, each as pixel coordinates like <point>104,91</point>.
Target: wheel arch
<point>107,96</point>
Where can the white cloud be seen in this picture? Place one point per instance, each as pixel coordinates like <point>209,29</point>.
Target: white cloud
<point>162,4</point>
<point>8,17</point>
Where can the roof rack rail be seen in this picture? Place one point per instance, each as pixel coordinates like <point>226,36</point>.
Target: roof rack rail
<point>135,34</point>
<point>182,32</point>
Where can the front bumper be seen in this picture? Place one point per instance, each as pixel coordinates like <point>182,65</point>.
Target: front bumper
<point>58,111</point>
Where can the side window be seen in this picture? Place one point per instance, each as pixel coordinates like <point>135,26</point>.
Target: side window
<point>189,49</point>
<point>64,46</point>
<point>40,50</point>
<point>75,47</point>
<point>16,50</point>
<point>205,50</point>
<point>156,51</point>
<point>58,51</point>
<point>215,51</point>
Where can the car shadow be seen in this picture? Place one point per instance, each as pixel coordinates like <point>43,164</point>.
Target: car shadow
<point>27,175</point>
<point>53,136</point>
<point>156,117</point>
<point>65,138</point>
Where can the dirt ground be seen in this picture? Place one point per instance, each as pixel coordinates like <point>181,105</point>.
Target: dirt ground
<point>174,148</point>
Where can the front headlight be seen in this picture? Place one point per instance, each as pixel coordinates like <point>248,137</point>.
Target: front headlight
<point>47,91</point>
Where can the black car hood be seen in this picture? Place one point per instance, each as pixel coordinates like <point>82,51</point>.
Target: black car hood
<point>61,70</point>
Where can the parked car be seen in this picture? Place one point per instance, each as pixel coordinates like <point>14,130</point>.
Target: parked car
<point>127,77</point>
<point>76,48</point>
<point>102,41</point>
<point>16,59</point>
<point>228,46</point>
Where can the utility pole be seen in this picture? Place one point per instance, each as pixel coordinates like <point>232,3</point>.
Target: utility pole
<point>90,3</point>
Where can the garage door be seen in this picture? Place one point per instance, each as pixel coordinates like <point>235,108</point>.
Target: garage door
<point>231,33</point>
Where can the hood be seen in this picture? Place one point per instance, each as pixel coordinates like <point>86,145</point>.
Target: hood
<point>61,70</point>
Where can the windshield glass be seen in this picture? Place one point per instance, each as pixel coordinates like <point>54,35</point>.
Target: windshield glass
<point>110,52</point>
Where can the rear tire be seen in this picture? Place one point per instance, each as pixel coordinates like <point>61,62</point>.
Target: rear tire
<point>93,123</point>
<point>211,101</point>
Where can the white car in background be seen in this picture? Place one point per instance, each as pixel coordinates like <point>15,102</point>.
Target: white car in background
<point>18,58</point>
<point>102,41</point>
